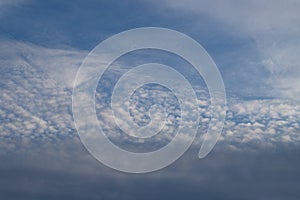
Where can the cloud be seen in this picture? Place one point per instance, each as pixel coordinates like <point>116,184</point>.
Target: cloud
<point>69,172</point>
<point>257,156</point>
<point>36,87</point>
<point>273,25</point>
<point>35,103</point>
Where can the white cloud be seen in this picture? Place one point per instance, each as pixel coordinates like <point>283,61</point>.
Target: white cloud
<point>36,105</point>
<point>274,26</point>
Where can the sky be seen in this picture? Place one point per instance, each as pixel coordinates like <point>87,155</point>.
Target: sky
<point>255,45</point>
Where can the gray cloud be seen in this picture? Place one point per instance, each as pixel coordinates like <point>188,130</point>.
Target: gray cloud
<point>224,174</point>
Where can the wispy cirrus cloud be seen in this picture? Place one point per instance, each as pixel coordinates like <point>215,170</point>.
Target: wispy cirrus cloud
<point>274,27</point>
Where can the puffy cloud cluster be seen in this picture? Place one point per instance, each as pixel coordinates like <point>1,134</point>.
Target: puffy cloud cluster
<point>263,122</point>
<point>248,124</point>
<point>36,107</point>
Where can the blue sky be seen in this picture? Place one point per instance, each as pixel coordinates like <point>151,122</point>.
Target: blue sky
<point>255,45</point>
<point>69,25</point>
<point>228,40</point>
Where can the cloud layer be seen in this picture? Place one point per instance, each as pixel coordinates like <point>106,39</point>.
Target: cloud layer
<point>36,105</point>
